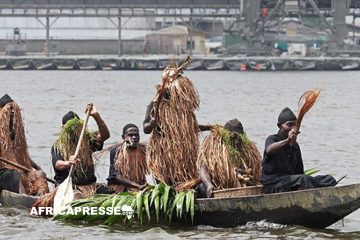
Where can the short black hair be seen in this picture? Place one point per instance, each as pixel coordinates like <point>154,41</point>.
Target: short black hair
<point>234,125</point>
<point>129,125</point>
<point>70,115</point>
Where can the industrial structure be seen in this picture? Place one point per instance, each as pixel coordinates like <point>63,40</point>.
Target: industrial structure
<point>258,23</point>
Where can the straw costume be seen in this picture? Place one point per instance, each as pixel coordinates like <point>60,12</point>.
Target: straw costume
<point>230,157</point>
<point>129,163</point>
<point>172,148</point>
<point>13,147</point>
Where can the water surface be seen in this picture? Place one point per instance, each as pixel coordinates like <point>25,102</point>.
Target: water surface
<point>329,139</point>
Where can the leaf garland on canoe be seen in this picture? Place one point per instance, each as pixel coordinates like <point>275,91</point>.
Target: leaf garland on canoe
<point>171,153</point>
<point>229,166</point>
<point>160,200</point>
<point>13,146</point>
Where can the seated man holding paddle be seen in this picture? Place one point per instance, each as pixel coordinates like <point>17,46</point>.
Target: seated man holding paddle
<point>64,148</point>
<point>128,166</point>
<point>228,159</point>
<point>282,165</point>
<point>18,172</point>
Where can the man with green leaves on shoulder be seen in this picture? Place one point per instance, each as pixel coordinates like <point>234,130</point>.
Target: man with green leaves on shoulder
<point>63,150</point>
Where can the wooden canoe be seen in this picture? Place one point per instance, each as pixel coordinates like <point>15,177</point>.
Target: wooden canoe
<point>314,208</point>
<point>11,199</point>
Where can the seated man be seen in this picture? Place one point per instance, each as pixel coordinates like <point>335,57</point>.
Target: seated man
<point>64,147</point>
<point>228,159</point>
<point>282,165</point>
<point>13,147</point>
<point>128,162</point>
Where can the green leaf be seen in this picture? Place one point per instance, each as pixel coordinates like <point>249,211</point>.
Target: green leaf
<point>155,192</point>
<point>309,173</point>
<point>179,204</point>
<point>146,205</point>
<point>188,200</point>
<point>192,206</point>
<point>139,203</point>
<point>165,197</point>
<point>157,207</point>
<point>308,170</point>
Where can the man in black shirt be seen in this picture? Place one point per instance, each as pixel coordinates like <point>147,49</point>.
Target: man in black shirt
<point>62,151</point>
<point>282,165</point>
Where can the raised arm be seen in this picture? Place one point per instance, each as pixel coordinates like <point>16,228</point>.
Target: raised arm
<point>103,129</point>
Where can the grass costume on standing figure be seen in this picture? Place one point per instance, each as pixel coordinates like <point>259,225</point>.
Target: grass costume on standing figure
<point>172,148</point>
<point>13,147</point>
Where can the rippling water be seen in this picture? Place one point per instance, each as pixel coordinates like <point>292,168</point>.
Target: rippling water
<point>329,140</point>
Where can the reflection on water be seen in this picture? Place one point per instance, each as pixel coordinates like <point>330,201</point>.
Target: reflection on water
<point>329,138</point>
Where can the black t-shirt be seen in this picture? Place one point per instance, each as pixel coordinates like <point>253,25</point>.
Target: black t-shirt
<point>61,175</point>
<point>286,161</point>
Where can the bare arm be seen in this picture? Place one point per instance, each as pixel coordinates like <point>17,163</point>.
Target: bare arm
<point>128,183</point>
<point>204,127</point>
<point>206,179</point>
<point>149,123</point>
<point>274,147</point>
<point>62,165</point>
<point>103,129</point>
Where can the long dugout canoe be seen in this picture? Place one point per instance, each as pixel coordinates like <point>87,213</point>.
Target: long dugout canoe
<point>314,208</point>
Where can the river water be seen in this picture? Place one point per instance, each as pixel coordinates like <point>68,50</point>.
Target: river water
<point>330,134</point>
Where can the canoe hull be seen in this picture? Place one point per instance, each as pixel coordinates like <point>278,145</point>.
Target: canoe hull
<point>314,208</point>
<point>10,199</point>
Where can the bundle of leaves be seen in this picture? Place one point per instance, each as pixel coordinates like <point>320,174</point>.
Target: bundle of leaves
<point>66,144</point>
<point>160,199</point>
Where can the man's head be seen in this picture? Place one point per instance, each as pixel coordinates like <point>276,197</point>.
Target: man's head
<point>236,128</point>
<point>286,120</point>
<point>234,125</point>
<point>131,135</point>
<point>70,115</point>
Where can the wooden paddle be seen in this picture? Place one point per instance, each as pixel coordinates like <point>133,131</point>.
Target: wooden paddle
<point>25,169</point>
<point>65,193</point>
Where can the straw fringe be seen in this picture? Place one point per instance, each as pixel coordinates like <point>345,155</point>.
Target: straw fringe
<point>131,163</point>
<point>223,166</point>
<point>171,154</point>
<point>17,150</point>
<point>46,200</point>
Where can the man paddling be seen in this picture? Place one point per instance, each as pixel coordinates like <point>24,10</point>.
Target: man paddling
<point>13,147</point>
<point>64,147</point>
<point>282,165</point>
<point>128,162</point>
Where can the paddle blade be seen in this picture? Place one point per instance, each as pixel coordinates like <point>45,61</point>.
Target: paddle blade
<point>64,195</point>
